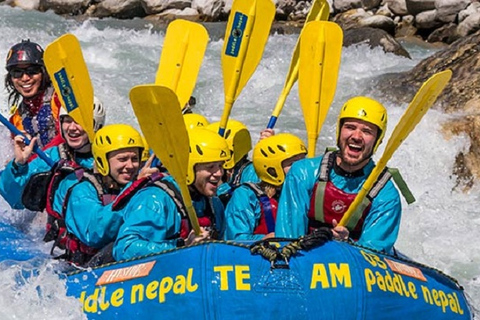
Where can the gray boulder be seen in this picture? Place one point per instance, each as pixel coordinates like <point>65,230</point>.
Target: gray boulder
<point>121,9</point>
<point>416,6</point>
<point>64,7</point>
<point>398,7</point>
<point>374,38</point>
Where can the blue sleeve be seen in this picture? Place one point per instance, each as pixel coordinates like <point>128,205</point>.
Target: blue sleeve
<point>219,211</point>
<point>86,163</point>
<point>151,224</point>
<point>381,226</point>
<point>12,182</point>
<point>14,178</point>
<point>242,215</point>
<point>249,174</point>
<point>88,219</point>
<point>224,188</point>
<point>294,202</point>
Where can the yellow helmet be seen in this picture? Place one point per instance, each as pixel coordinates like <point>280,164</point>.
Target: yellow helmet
<point>146,150</point>
<point>238,139</point>
<point>111,138</point>
<point>193,120</point>
<point>365,109</point>
<point>205,146</point>
<point>270,152</point>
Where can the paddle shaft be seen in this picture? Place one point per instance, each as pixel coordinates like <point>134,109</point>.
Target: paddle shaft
<point>319,11</point>
<point>230,95</point>
<point>247,33</point>
<point>17,132</point>
<point>312,133</point>
<point>319,64</point>
<point>160,118</point>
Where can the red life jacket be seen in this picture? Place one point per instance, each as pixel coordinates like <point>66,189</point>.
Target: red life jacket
<point>329,202</point>
<point>76,251</point>
<point>206,221</point>
<point>268,210</point>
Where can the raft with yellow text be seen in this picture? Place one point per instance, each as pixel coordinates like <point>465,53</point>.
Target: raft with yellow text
<point>220,280</point>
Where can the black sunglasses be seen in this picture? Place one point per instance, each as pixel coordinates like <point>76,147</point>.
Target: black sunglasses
<point>17,73</point>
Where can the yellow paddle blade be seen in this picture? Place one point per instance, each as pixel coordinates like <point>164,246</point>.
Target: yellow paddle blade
<point>68,71</point>
<point>320,56</point>
<point>319,11</point>
<point>161,121</point>
<point>247,32</point>
<point>182,54</point>
<point>417,108</point>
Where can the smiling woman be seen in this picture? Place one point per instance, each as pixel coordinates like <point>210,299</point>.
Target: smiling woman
<point>116,151</point>
<point>35,107</point>
<point>208,153</point>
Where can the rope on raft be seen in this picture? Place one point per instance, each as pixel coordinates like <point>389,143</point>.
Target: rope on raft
<point>272,253</point>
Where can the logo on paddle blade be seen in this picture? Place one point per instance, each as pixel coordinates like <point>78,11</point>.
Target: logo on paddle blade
<point>66,90</point>
<point>236,35</point>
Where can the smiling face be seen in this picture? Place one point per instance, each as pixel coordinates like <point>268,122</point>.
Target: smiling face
<point>124,164</point>
<point>27,79</point>
<point>207,177</point>
<point>356,142</point>
<point>74,134</point>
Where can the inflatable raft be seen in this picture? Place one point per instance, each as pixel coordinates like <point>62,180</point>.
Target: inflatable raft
<point>220,280</point>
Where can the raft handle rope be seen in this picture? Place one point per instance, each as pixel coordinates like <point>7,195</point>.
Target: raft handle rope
<point>269,248</point>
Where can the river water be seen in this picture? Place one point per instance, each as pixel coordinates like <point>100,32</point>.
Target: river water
<point>439,229</point>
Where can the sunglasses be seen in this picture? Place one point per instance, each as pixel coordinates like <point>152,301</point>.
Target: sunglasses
<point>17,73</point>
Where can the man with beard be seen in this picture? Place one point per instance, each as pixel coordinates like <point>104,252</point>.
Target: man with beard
<point>318,191</point>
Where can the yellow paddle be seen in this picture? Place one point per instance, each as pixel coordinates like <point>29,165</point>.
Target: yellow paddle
<point>182,54</point>
<point>160,117</point>
<point>420,104</point>
<point>247,32</point>
<point>319,11</point>
<point>320,55</point>
<point>68,71</point>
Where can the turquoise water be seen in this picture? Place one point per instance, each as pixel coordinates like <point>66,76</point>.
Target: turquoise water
<point>438,230</point>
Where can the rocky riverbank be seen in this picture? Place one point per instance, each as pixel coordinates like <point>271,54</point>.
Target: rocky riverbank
<point>454,24</point>
<point>430,20</point>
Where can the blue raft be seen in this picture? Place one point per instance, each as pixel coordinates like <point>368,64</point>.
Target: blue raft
<point>220,280</point>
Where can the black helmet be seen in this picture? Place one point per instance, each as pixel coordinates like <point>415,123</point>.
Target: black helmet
<point>25,52</point>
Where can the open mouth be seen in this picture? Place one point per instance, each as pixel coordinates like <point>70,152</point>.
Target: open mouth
<point>74,135</point>
<point>355,148</point>
<point>213,184</point>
